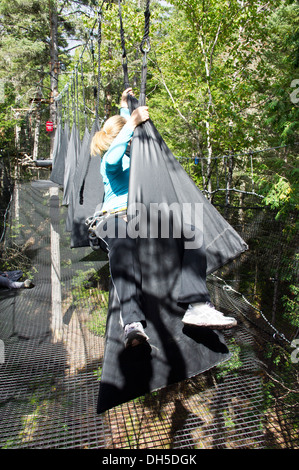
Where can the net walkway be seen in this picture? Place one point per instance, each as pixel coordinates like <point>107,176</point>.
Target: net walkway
<point>50,374</point>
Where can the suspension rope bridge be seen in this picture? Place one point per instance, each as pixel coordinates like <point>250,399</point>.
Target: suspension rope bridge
<point>50,381</point>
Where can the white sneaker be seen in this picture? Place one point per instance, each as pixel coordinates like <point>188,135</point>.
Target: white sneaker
<point>28,284</point>
<point>203,314</point>
<point>134,334</point>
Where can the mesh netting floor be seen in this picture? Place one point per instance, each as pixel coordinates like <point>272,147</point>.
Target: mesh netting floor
<point>49,381</point>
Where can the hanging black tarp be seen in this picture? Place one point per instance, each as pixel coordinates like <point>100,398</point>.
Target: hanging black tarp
<point>70,164</point>
<point>57,173</point>
<point>169,184</point>
<point>89,194</point>
<point>84,153</point>
<point>174,351</point>
<point>57,141</point>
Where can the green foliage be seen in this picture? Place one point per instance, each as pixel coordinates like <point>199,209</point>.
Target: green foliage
<point>290,299</point>
<point>211,65</point>
<point>14,258</point>
<point>291,304</point>
<point>277,179</point>
<point>207,60</point>
<point>280,67</point>
<point>234,363</point>
<point>285,383</point>
<point>7,120</point>
<point>97,322</point>
<point>23,41</point>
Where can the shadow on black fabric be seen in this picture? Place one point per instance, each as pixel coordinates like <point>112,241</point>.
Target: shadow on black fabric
<point>174,352</point>
<point>207,337</point>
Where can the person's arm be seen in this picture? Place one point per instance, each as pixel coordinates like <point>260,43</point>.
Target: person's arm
<point>124,97</point>
<point>113,156</point>
<point>138,116</point>
<point>119,145</point>
<point>125,112</point>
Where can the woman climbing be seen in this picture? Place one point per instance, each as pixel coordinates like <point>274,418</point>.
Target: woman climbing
<point>112,142</point>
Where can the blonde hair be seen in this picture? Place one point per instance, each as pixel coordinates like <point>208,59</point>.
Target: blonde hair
<point>104,138</point>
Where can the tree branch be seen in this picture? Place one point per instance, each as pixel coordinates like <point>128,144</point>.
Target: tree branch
<point>192,131</point>
<point>71,48</point>
<point>214,45</point>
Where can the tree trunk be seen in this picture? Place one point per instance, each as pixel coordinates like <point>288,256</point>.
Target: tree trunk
<point>209,161</point>
<point>36,130</point>
<point>276,286</point>
<point>208,60</point>
<point>207,123</point>
<point>54,68</point>
<point>17,133</point>
<point>230,176</point>
<point>241,204</point>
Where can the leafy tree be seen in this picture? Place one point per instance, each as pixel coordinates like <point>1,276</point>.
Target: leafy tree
<point>35,34</point>
<point>24,39</point>
<point>207,63</point>
<point>278,176</point>
<point>7,122</point>
<point>280,67</point>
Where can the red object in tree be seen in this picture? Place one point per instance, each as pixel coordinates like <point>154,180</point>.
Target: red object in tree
<point>49,126</point>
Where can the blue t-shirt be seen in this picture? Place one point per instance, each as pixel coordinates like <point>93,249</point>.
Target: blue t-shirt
<point>115,169</point>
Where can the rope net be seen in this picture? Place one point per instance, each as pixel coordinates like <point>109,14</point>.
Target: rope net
<point>53,342</point>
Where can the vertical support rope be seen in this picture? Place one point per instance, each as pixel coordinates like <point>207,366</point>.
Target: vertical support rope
<point>123,46</point>
<point>99,60</point>
<point>77,99</point>
<point>83,94</point>
<point>217,175</point>
<point>226,181</point>
<point>73,94</point>
<point>145,48</point>
<point>145,39</point>
<point>68,106</point>
<point>251,164</point>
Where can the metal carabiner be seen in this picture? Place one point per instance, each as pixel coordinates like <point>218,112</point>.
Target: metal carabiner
<point>148,44</point>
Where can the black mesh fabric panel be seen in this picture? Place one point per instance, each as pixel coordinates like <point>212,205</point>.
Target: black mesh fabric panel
<point>174,352</point>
